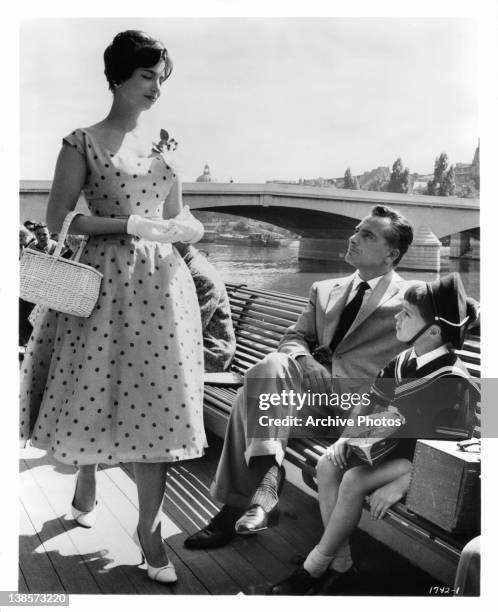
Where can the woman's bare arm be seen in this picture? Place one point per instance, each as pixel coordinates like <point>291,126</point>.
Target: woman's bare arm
<point>174,201</point>
<point>69,178</point>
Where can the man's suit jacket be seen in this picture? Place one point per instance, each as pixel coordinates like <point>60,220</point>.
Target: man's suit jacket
<point>370,342</point>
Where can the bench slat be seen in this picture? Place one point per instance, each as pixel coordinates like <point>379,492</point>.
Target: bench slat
<point>469,357</point>
<point>474,370</point>
<point>273,295</point>
<point>473,344</point>
<point>255,343</point>
<point>277,323</point>
<point>247,330</point>
<point>249,353</point>
<point>222,391</point>
<point>216,401</point>
<point>258,323</point>
<point>243,363</point>
<point>270,308</point>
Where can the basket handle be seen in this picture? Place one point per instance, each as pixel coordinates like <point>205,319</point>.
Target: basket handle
<point>63,233</point>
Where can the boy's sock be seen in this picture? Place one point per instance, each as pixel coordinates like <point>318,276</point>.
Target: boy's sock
<point>316,563</point>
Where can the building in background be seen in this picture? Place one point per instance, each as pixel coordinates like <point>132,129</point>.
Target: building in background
<point>205,177</point>
<point>469,172</point>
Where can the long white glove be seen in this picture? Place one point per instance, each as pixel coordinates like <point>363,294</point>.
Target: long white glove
<point>185,227</point>
<point>149,229</point>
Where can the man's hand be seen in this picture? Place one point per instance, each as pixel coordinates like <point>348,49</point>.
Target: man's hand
<point>316,377</point>
<point>338,453</point>
<point>385,497</point>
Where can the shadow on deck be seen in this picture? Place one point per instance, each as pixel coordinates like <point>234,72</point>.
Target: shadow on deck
<point>56,555</point>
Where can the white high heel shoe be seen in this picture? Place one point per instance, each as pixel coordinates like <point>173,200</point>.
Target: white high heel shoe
<point>165,574</point>
<point>85,519</point>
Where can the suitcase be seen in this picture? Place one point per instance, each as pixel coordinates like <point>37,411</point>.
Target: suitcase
<point>445,486</point>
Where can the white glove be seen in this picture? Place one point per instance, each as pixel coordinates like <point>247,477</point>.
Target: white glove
<point>149,229</point>
<point>187,227</point>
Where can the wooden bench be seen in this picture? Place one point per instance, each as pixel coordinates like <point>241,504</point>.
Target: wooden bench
<point>260,319</point>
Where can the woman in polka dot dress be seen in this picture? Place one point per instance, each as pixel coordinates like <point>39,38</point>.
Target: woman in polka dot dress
<point>125,384</point>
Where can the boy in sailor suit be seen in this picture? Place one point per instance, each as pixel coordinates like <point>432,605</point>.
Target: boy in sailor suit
<point>429,387</point>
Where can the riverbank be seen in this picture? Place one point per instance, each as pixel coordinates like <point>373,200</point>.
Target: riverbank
<point>280,270</point>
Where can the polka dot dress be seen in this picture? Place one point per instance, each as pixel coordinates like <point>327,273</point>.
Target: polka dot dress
<point>124,384</point>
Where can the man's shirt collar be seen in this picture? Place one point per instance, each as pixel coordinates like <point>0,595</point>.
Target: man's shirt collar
<point>372,283</point>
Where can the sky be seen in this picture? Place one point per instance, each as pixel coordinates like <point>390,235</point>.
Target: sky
<point>267,98</point>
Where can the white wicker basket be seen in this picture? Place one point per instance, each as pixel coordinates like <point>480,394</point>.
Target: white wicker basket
<point>55,282</point>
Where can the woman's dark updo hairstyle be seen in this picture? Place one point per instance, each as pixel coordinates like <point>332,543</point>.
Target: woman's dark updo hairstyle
<point>130,50</point>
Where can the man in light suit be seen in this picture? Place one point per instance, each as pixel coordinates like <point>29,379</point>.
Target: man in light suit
<point>342,339</point>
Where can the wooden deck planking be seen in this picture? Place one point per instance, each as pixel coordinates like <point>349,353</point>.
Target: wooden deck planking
<point>249,560</point>
<point>56,555</point>
<point>235,565</point>
<point>214,578</point>
<point>91,545</point>
<point>110,570</point>
<point>37,573</point>
<point>113,572</point>
<point>240,571</point>
<point>270,551</point>
<point>274,551</point>
<point>122,487</point>
<point>281,538</point>
<point>298,511</point>
<point>52,529</point>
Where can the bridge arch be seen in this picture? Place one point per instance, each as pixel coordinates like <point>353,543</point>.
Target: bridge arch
<point>318,210</point>
<point>309,224</point>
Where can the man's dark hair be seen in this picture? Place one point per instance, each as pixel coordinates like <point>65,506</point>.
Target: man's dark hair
<point>400,235</point>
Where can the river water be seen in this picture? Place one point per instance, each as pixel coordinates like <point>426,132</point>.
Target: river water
<point>278,269</point>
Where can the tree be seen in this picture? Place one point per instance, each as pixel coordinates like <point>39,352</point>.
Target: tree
<point>241,226</point>
<point>378,184</point>
<point>349,181</point>
<point>399,181</point>
<point>448,185</point>
<point>467,190</point>
<point>443,182</point>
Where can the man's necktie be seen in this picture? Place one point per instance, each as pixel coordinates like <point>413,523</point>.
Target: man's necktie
<point>348,315</point>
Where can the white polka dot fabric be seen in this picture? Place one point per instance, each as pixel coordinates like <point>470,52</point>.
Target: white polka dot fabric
<point>126,384</point>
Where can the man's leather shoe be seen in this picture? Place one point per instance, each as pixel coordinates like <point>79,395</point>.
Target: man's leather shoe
<point>256,519</point>
<point>300,582</point>
<point>210,536</point>
<point>218,532</point>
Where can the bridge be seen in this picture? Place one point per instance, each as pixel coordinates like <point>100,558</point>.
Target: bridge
<point>323,216</point>
<point>315,211</point>
<point>308,211</point>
